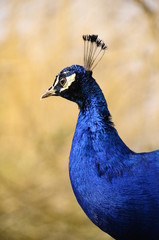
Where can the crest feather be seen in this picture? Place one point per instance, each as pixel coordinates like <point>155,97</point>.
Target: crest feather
<point>94,49</point>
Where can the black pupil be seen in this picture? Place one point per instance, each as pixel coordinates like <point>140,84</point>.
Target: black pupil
<point>63,81</point>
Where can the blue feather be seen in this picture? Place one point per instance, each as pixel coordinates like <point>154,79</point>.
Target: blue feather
<point>117,188</point>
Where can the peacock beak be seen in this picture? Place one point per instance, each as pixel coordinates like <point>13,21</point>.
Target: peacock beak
<point>49,92</point>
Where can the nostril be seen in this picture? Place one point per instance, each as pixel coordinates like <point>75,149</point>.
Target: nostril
<point>49,88</point>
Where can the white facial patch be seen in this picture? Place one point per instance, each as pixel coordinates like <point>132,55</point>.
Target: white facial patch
<point>70,79</point>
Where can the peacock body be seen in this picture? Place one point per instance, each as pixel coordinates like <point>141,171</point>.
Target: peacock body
<point>117,188</point>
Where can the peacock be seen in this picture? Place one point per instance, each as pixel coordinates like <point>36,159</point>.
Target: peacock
<point>117,188</point>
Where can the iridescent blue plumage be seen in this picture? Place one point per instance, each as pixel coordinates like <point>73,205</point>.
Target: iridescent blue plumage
<point>117,188</point>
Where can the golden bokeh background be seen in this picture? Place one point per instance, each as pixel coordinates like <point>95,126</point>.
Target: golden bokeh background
<point>38,38</point>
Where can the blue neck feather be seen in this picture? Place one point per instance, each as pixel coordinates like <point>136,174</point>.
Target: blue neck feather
<point>95,116</point>
<point>95,133</point>
<point>97,152</point>
<point>93,105</point>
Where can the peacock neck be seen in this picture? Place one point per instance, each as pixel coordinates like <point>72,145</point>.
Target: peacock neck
<point>94,106</point>
<point>95,119</point>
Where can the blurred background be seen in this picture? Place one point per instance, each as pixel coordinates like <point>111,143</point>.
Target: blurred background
<point>38,38</point>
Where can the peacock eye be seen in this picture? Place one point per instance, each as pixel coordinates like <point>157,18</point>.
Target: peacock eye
<point>63,81</point>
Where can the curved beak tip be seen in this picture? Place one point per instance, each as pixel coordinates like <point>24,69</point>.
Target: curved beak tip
<point>44,95</point>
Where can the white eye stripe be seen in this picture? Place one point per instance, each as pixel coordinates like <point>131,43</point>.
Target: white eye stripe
<point>70,79</point>
<point>56,82</point>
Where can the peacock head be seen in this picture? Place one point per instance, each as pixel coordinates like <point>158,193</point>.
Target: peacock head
<point>74,82</point>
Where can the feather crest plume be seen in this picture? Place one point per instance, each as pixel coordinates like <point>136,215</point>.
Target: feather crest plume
<point>94,49</point>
